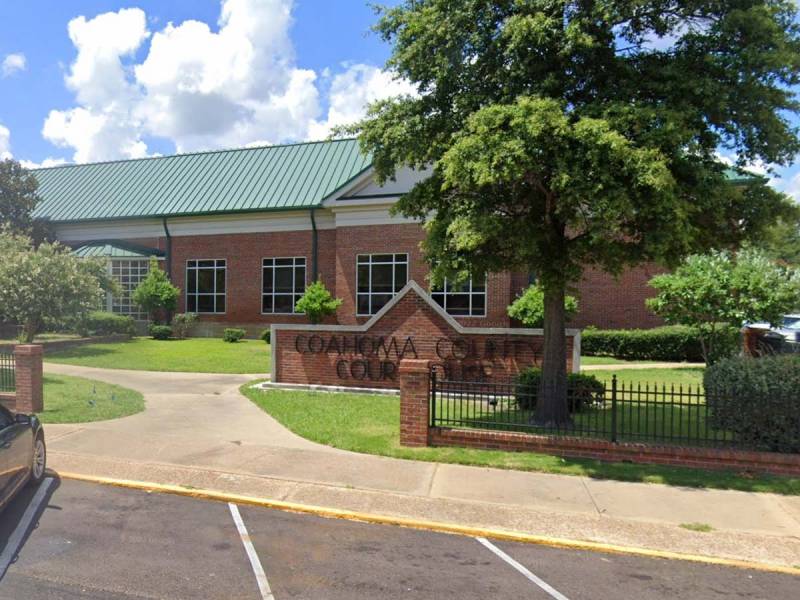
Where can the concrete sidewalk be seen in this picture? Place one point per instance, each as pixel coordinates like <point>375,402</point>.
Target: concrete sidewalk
<point>197,430</point>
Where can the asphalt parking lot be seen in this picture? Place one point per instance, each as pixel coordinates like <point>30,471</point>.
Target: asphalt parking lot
<point>92,541</point>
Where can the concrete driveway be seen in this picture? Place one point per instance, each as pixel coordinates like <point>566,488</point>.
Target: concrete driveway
<point>198,430</point>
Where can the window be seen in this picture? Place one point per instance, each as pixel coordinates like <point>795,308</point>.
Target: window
<point>283,283</point>
<point>467,299</point>
<point>129,274</point>
<point>205,286</point>
<point>380,277</point>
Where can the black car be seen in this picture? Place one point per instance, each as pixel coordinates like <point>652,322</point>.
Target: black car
<point>23,454</point>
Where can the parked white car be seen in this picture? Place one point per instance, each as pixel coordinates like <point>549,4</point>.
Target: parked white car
<point>788,331</point>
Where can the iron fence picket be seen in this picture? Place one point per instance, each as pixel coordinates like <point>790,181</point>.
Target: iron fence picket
<point>620,412</point>
<point>7,373</point>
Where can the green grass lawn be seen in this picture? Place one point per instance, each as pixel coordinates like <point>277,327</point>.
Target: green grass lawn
<point>79,400</point>
<point>684,376</point>
<point>609,360</point>
<point>195,355</point>
<point>370,424</point>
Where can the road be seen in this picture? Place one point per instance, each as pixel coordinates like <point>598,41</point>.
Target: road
<point>92,541</point>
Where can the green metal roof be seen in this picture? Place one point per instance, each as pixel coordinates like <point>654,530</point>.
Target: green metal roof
<point>286,177</point>
<point>115,250</point>
<point>736,175</point>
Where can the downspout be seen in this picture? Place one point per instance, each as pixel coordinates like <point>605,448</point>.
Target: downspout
<point>314,246</point>
<point>168,249</point>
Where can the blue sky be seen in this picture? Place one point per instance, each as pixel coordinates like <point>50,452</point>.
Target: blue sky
<point>91,80</point>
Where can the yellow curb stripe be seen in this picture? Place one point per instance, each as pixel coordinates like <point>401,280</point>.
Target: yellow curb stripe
<point>496,534</point>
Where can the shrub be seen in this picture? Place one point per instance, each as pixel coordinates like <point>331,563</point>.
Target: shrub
<point>672,343</point>
<point>528,308</point>
<point>266,336</point>
<point>106,323</point>
<point>714,291</point>
<point>181,324</point>
<point>582,389</point>
<point>155,294</point>
<point>757,400</point>
<point>160,332</point>
<point>317,302</point>
<point>232,334</point>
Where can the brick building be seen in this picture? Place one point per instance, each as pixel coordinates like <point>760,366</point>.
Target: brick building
<point>242,232</point>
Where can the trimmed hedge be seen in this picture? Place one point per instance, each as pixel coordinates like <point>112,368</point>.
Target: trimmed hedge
<point>106,323</point>
<point>181,324</point>
<point>582,388</point>
<point>232,334</point>
<point>758,399</point>
<point>675,343</point>
<point>266,335</point>
<point>160,332</point>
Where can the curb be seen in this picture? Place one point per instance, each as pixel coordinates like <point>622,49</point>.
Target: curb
<point>421,524</point>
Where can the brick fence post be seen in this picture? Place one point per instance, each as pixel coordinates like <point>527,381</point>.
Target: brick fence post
<point>29,382</point>
<point>414,402</point>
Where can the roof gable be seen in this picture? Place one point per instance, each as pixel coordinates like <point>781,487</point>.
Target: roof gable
<point>268,178</point>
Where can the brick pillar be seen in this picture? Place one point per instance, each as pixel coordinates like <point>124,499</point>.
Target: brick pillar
<point>414,402</point>
<point>29,382</point>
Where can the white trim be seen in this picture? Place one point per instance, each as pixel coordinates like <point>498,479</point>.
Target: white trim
<point>377,215</point>
<point>263,222</point>
<point>350,186</point>
<point>458,327</point>
<point>108,230</point>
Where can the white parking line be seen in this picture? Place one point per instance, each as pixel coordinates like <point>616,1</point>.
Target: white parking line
<point>255,563</point>
<point>540,582</point>
<point>13,543</point>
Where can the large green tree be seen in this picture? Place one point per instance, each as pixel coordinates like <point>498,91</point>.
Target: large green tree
<point>562,134</point>
<point>46,286</point>
<point>18,198</point>
<point>781,241</point>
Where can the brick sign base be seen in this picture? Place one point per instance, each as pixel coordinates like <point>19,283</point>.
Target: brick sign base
<point>411,327</point>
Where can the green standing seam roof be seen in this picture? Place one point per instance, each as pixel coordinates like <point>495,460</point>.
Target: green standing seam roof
<point>289,177</point>
<point>110,250</point>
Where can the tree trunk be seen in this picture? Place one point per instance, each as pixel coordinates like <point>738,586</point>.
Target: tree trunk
<point>551,406</point>
<point>29,330</point>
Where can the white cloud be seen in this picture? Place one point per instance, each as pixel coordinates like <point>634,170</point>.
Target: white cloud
<point>227,88</point>
<point>352,90</point>
<point>103,126</point>
<point>12,63</point>
<point>200,87</point>
<point>47,162</point>
<point>5,143</point>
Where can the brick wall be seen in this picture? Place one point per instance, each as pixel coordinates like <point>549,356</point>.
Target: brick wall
<point>604,301</point>
<point>616,303</point>
<point>28,396</point>
<point>703,458</point>
<point>412,328</point>
<point>405,238</point>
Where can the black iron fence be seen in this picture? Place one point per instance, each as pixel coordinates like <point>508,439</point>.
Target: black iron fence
<point>7,373</point>
<point>614,411</point>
